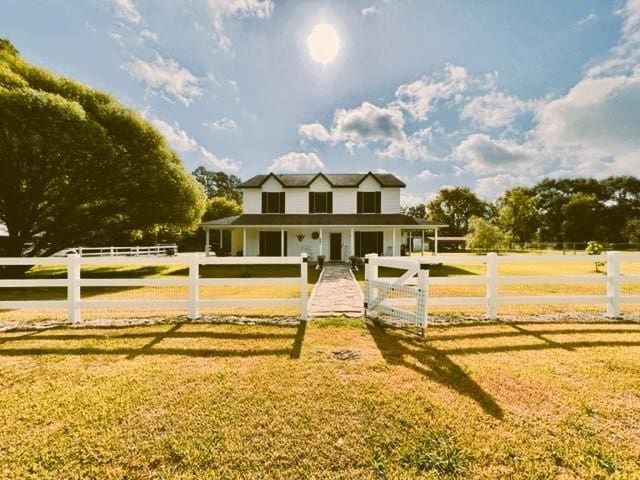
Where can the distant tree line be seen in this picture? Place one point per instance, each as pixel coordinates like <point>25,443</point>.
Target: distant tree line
<point>554,210</point>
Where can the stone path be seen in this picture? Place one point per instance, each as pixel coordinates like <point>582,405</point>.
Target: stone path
<point>337,294</point>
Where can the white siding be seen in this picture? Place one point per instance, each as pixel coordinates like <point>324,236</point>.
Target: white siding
<point>369,184</point>
<point>272,185</point>
<point>344,200</point>
<point>390,200</point>
<point>251,200</point>
<point>296,200</point>
<point>320,185</point>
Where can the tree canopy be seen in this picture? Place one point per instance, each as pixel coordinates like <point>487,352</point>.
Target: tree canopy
<point>78,168</point>
<point>219,184</point>
<point>455,207</point>
<point>553,210</point>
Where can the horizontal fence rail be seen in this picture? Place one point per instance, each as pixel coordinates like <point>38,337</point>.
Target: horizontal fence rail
<point>491,282</point>
<point>192,282</point>
<point>135,251</point>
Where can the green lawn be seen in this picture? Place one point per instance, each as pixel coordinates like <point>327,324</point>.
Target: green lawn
<point>331,399</point>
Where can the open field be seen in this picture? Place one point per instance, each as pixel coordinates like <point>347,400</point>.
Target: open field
<point>331,399</point>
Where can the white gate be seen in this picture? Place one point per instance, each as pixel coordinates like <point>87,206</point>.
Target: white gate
<point>402,298</point>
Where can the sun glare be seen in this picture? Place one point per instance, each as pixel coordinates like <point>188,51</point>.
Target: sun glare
<point>323,43</point>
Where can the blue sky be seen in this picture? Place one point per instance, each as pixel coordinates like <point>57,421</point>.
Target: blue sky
<point>485,94</point>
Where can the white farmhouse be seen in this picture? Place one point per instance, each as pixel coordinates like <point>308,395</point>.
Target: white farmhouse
<point>335,215</point>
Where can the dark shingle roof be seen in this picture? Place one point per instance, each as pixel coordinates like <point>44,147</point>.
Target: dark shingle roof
<point>353,219</point>
<point>337,180</point>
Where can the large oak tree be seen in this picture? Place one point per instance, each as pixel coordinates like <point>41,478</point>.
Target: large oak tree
<point>78,168</point>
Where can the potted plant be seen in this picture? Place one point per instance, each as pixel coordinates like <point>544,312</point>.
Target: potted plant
<point>354,262</point>
<point>320,265</point>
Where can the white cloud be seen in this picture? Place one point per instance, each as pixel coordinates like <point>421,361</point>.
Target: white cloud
<point>149,35</point>
<point>371,10</point>
<point>427,174</point>
<point>593,129</point>
<point>597,114</point>
<point>592,17</point>
<point>495,110</point>
<point>221,9</point>
<point>315,131</point>
<point>486,155</point>
<point>166,76</point>
<point>224,164</point>
<point>126,10</point>
<point>177,138</point>
<point>411,199</point>
<point>491,188</point>
<point>420,97</point>
<point>223,124</point>
<point>180,141</point>
<point>293,162</point>
<point>368,124</point>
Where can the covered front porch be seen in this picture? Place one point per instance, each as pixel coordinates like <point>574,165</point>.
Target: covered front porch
<point>336,243</point>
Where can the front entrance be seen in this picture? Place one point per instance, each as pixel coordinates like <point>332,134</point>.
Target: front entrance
<point>335,246</point>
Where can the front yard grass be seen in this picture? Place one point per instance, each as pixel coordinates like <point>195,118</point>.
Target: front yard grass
<point>331,399</point>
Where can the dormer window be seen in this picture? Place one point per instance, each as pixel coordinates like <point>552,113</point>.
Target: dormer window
<point>369,202</point>
<point>272,202</point>
<point>320,202</point>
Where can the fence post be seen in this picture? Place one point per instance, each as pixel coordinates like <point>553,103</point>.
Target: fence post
<point>422,309</point>
<point>492,285</point>
<point>304,271</point>
<point>370,274</point>
<point>613,284</point>
<point>73,287</point>
<point>194,293</point>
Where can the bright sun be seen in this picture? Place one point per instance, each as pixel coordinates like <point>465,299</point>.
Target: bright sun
<point>323,43</point>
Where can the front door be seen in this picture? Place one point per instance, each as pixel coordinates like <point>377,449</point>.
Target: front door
<point>335,243</point>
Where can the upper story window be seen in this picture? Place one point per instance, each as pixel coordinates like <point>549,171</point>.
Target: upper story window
<point>272,202</point>
<point>369,202</point>
<point>320,202</point>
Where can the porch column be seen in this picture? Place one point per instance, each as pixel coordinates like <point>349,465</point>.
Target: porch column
<point>422,252</point>
<point>321,240</point>
<point>353,242</point>
<point>244,242</point>
<point>206,242</point>
<point>435,242</point>
<point>220,240</point>
<point>393,243</point>
<point>410,242</point>
<point>282,242</point>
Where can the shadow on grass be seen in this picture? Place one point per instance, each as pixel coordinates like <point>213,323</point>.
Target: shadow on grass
<point>521,331</point>
<point>155,338</point>
<point>398,348</point>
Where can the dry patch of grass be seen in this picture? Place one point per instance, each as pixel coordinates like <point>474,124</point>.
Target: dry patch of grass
<point>331,399</point>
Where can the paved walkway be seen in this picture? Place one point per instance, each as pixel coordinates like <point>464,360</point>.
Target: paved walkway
<point>337,294</point>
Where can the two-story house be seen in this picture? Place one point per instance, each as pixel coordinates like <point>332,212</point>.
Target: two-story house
<point>335,215</point>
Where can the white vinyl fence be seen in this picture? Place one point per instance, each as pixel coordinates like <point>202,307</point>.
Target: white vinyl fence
<point>135,251</point>
<point>389,295</point>
<point>191,303</point>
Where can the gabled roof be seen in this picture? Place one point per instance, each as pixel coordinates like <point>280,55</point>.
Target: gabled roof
<point>336,180</point>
